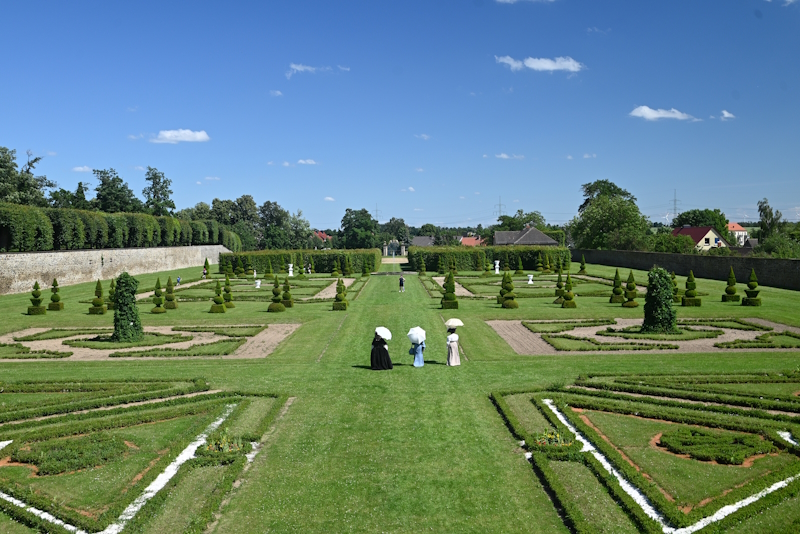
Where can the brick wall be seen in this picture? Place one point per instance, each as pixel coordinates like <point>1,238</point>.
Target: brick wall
<point>19,271</point>
<point>770,272</point>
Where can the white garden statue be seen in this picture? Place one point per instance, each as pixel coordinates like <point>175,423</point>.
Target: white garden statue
<point>291,269</point>
<point>530,279</point>
<point>496,266</point>
<point>258,284</point>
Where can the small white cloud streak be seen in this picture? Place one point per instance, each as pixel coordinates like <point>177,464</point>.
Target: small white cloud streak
<point>512,63</point>
<point>329,199</point>
<point>199,183</point>
<point>424,137</point>
<point>275,93</point>
<point>306,162</point>
<point>541,64</point>
<point>294,68</point>
<point>181,136</point>
<point>51,153</point>
<point>84,168</point>
<point>650,114</point>
<point>285,163</point>
<point>212,177</point>
<point>343,68</point>
<point>589,156</point>
<point>569,157</point>
<point>727,115</point>
<point>419,169</point>
<point>138,168</point>
<point>503,155</point>
<point>417,209</point>
<point>411,189</point>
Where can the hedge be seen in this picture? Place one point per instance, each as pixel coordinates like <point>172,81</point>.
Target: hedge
<point>30,229</point>
<point>475,258</point>
<point>324,260</point>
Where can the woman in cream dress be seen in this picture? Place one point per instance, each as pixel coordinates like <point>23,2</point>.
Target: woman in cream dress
<point>452,348</point>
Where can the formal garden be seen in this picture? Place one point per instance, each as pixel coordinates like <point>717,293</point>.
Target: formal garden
<point>588,399</point>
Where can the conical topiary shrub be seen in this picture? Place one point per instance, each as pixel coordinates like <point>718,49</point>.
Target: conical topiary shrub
<point>519,266</point>
<point>364,269</point>
<point>509,299</point>
<point>569,296</point>
<point>277,305</point>
<point>690,295</point>
<point>269,272</point>
<point>206,266</point>
<point>98,304</point>
<point>675,296</point>
<point>239,271</point>
<point>229,267</point>
<point>300,268</point>
<point>547,269</point>
<point>228,294</point>
<point>453,267</point>
<point>337,272</point>
<point>219,302</point>
<point>506,262</point>
<point>616,293</point>
<point>55,298</point>
<point>659,315</point>
<point>36,307</point>
<point>730,291</point>
<point>583,265</point>
<point>248,269</point>
<point>487,269</point>
<point>559,289</point>
<point>171,303</point>
<point>311,266</point>
<point>111,301</point>
<point>287,300</point>
<point>440,266</point>
<point>348,267</point>
<point>340,303</point>
<point>158,299</point>
<point>539,264</point>
<point>752,298</point>
<point>630,292</point>
<point>127,324</point>
<point>503,290</point>
<point>449,301</point>
<point>421,262</point>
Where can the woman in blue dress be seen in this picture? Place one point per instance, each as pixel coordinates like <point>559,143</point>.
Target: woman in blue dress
<point>416,350</point>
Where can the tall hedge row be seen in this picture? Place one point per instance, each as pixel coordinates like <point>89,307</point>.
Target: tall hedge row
<point>27,229</point>
<point>476,258</point>
<point>324,260</point>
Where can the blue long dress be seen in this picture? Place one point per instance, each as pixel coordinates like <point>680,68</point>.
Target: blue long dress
<point>416,350</point>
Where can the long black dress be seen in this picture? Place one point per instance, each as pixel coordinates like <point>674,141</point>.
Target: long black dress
<point>380,355</point>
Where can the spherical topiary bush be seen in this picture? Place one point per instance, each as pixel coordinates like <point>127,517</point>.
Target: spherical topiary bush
<point>583,265</point>
<point>55,298</point>
<point>171,303</point>
<point>569,296</point>
<point>616,293</point>
<point>239,271</point>
<point>228,295</point>
<point>659,315</point>
<point>509,299</point>
<point>98,304</point>
<point>559,289</point>
<point>277,305</point>
<point>287,300</point>
<point>36,307</point>
<point>730,291</point>
<point>690,295</point>
<point>127,324</point>
<point>219,302</point>
<point>449,301</point>
<point>158,299</point>
<point>630,293</point>
<point>675,296</point>
<point>752,291</point>
<point>112,295</point>
<point>340,303</point>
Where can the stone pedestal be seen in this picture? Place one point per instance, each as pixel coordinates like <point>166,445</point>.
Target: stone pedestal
<point>496,266</point>
<point>402,250</point>
<point>385,250</point>
<point>291,269</point>
<point>530,279</point>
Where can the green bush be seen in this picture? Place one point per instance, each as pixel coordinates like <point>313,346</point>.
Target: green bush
<point>476,258</point>
<point>558,235</point>
<point>118,233</point>
<point>214,233</point>
<point>659,315</point>
<point>569,297</point>
<point>170,231</point>
<point>228,296</point>
<point>127,324</point>
<point>340,303</point>
<point>440,265</point>
<point>199,233</point>
<point>24,228</point>
<point>547,269</point>
<point>239,270</point>
<point>68,231</point>
<point>158,298</point>
<point>248,268</point>
<point>630,293</point>
<point>36,307</point>
<point>730,291</point>
<point>55,298</point>
<point>57,456</point>
<point>95,228</point>
<point>752,291</point>
<point>583,265</point>
<point>616,293</point>
<point>143,230</point>
<point>690,295</point>
<point>509,299</point>
<point>559,289</point>
<point>231,241</point>
<point>287,299</point>
<point>519,266</point>
<point>186,233</point>
<point>277,304</point>
<point>449,301</point>
<point>171,302</point>
<point>539,263</point>
<point>98,304</point>
<point>322,261</point>
<point>219,302</point>
<point>112,291</point>
<point>731,449</point>
<point>675,297</point>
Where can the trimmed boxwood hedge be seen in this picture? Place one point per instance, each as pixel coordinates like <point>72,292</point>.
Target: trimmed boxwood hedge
<point>475,258</point>
<point>324,260</point>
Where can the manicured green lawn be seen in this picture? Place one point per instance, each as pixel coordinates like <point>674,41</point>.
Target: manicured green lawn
<point>405,450</point>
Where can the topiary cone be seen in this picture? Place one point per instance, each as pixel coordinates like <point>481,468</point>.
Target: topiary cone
<point>36,307</point>
<point>228,295</point>
<point>631,292</point>
<point>277,305</point>
<point>559,289</point>
<point>569,297</point>
<point>730,291</point>
<point>583,265</point>
<point>55,298</point>
<point>675,297</point>
<point>287,300</point>
<point>449,301</point>
<point>752,291</point>
<point>112,295</point>
<point>340,303</point>
<point>690,295</point>
<point>98,304</point>
<point>539,266</point>
<point>171,303</point>
<point>158,298</point>
<point>616,293</point>
<point>519,266</point>
<point>509,299</point>
<point>219,302</point>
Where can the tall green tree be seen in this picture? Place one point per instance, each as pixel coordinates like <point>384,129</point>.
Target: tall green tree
<point>397,229</point>
<point>158,195</point>
<point>602,188</point>
<point>770,221</point>
<point>63,198</point>
<point>610,223</point>
<point>705,217</point>
<point>359,229</point>
<point>20,186</point>
<point>113,194</point>
<point>520,220</point>
<point>274,221</point>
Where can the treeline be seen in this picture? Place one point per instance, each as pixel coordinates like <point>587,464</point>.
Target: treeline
<point>28,228</point>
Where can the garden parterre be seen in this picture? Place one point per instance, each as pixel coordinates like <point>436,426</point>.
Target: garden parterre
<point>426,449</point>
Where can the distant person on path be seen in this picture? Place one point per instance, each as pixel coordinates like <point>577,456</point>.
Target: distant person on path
<point>380,355</point>
<point>453,358</point>
<point>416,350</point>
<point>402,284</point>
<point>255,274</point>
<point>178,281</point>
<point>205,272</point>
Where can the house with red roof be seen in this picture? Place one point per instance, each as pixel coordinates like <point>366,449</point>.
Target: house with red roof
<point>472,241</point>
<point>322,235</point>
<point>705,237</point>
<point>740,233</point>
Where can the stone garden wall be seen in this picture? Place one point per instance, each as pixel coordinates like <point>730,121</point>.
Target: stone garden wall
<point>770,272</point>
<point>19,271</point>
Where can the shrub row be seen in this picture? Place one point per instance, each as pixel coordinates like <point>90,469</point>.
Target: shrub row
<point>476,258</point>
<point>324,261</point>
<point>26,229</point>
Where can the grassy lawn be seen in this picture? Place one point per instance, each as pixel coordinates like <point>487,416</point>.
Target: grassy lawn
<point>406,450</point>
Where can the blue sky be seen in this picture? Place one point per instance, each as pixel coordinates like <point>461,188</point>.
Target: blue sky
<point>431,111</point>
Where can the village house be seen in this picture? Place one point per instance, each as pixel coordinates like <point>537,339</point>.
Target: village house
<point>704,237</point>
<point>737,230</point>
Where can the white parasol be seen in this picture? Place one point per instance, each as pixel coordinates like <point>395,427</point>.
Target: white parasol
<point>383,332</point>
<point>452,323</point>
<point>416,335</point>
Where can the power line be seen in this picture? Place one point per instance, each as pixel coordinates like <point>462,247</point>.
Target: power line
<point>377,212</point>
<point>500,206</point>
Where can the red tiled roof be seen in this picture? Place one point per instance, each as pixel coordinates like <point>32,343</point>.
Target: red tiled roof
<point>472,241</point>
<point>322,235</point>
<point>695,232</point>
<point>735,227</point>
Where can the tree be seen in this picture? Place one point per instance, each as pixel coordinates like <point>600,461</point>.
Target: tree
<point>428,229</point>
<point>449,301</point>
<point>602,188</point>
<point>113,194</point>
<point>36,307</point>
<point>274,222</point>
<point>55,298</point>
<point>158,299</point>
<point>610,223</point>
<point>300,234</point>
<point>67,199</point>
<point>569,296</point>
<point>21,186</point>
<point>228,296</point>
<point>397,229</point>
<point>127,324</point>
<point>287,300</point>
<point>277,305</point>
<point>705,217</point>
<point>98,304</point>
<point>630,292</point>
<point>219,301</point>
<point>200,212</point>
<point>171,302</point>
<point>158,195</point>
<point>770,221</point>
<point>519,220</point>
<point>359,229</point>
<point>659,315</point>
<point>616,293</point>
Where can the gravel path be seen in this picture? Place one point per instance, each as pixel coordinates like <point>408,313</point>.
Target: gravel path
<point>778,327</point>
<point>263,344</point>
<point>461,291</point>
<point>330,291</point>
<point>522,340</point>
<point>149,294</point>
<point>640,289</point>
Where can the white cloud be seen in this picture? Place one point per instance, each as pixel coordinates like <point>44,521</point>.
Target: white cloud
<point>177,136</point>
<point>516,200</point>
<point>726,115</point>
<point>51,153</point>
<point>462,198</point>
<point>342,68</point>
<point>138,168</point>
<point>82,169</point>
<point>589,156</point>
<point>294,68</point>
<point>306,162</point>
<point>285,163</point>
<point>417,209</point>
<point>419,169</point>
<point>569,157</point>
<point>134,137</point>
<point>485,156</point>
<point>133,109</point>
<point>542,64</point>
<point>411,189</point>
<point>651,114</point>
<point>477,192</point>
<point>199,183</point>
<point>329,199</point>
<point>269,163</point>
<point>275,93</point>
<point>595,29</point>
<point>424,137</point>
<point>503,155</point>
<point>212,177</point>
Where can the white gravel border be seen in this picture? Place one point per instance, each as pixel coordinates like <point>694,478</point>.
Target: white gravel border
<point>149,492</point>
<point>642,501</point>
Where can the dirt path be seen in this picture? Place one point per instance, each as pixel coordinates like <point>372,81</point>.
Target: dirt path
<point>263,344</point>
<point>522,340</point>
<point>330,291</point>
<point>641,289</point>
<point>778,327</point>
<point>461,291</point>
<point>149,294</point>
<point>398,259</point>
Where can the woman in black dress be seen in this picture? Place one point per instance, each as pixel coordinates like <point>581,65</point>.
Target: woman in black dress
<point>380,355</point>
